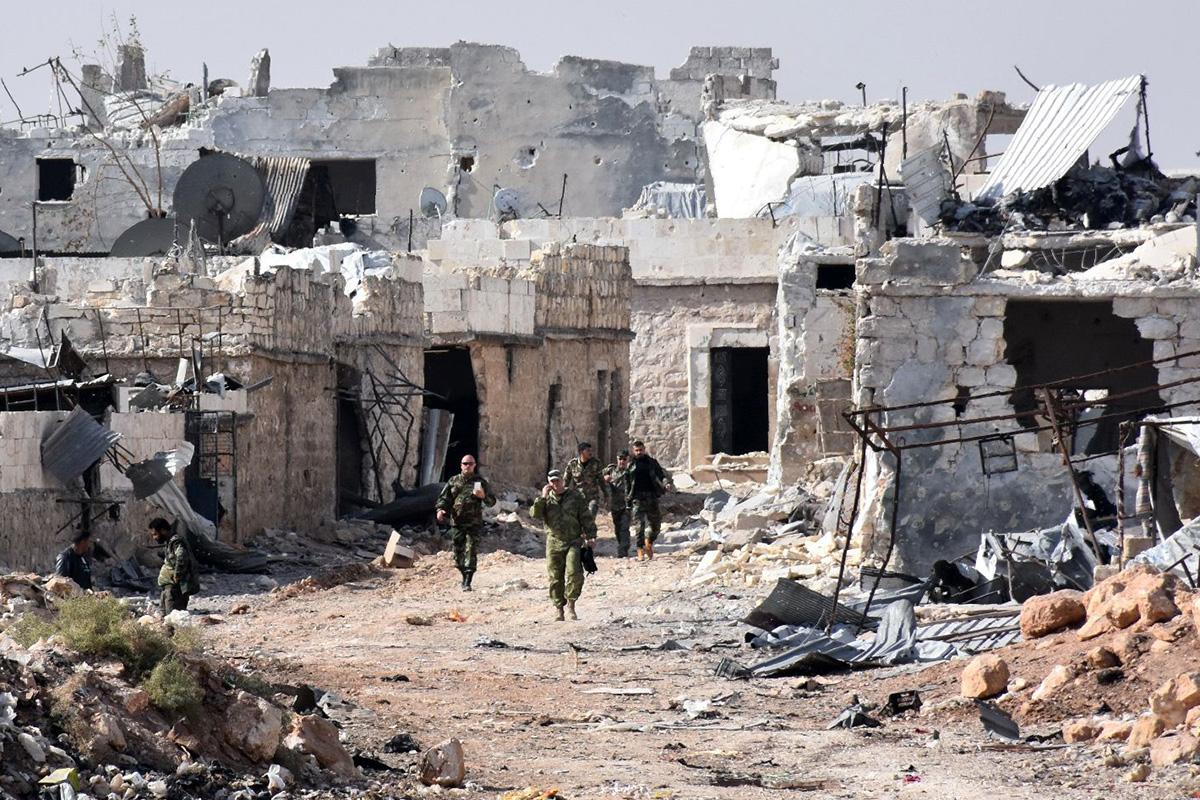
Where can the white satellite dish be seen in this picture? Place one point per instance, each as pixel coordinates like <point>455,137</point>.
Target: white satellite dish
<point>433,203</point>
<point>507,202</point>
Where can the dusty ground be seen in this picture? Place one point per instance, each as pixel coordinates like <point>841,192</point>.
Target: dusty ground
<point>529,713</point>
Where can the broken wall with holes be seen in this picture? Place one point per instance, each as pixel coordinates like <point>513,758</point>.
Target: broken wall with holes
<point>930,326</point>
<point>549,342</point>
<point>467,119</point>
<point>816,313</point>
<point>291,326</point>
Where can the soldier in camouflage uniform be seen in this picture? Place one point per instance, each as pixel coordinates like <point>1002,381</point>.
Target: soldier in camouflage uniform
<point>645,482</point>
<point>179,577</point>
<point>587,476</point>
<point>614,476</point>
<point>569,526</point>
<point>462,501</point>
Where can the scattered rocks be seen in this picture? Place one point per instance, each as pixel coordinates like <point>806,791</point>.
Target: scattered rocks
<point>254,726</point>
<point>1083,730</point>
<point>985,676</point>
<point>1101,658</point>
<point>1174,748</point>
<point>444,764</point>
<point>1138,774</point>
<point>1059,677</point>
<point>1145,730</point>
<point>317,737</point>
<point>1048,613</point>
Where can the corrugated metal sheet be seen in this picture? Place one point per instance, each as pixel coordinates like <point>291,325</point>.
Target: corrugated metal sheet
<point>74,445</point>
<point>792,603</point>
<point>974,634</point>
<point>1057,130</point>
<point>283,178</point>
<point>927,183</point>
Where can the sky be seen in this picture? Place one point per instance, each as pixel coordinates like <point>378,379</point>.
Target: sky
<point>935,47</point>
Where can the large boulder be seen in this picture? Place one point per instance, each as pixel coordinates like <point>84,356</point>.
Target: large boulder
<point>1172,701</point>
<point>317,737</point>
<point>1047,613</point>
<point>1058,677</point>
<point>985,676</point>
<point>1081,730</point>
<point>1145,730</point>
<point>444,764</point>
<point>1174,748</point>
<point>254,726</point>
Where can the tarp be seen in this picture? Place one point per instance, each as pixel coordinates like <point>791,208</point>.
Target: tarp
<point>1172,552</point>
<point>672,200</point>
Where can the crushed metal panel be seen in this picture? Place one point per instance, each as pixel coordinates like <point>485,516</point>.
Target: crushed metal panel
<point>792,603</point>
<point>927,182</point>
<point>975,634</point>
<point>74,445</point>
<point>1058,129</point>
<point>152,474</point>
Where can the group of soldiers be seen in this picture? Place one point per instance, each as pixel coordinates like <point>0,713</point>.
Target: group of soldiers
<point>178,578</point>
<point>567,506</point>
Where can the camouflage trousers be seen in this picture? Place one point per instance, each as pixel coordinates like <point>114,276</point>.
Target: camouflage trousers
<point>644,511</point>
<point>564,570</point>
<point>620,518</point>
<point>466,543</point>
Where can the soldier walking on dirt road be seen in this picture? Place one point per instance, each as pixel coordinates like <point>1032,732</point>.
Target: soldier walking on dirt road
<point>645,482</point>
<point>462,501</point>
<point>614,476</point>
<point>585,474</point>
<point>569,526</point>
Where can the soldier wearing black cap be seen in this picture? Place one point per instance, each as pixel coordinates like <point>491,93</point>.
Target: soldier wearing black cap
<point>569,527</point>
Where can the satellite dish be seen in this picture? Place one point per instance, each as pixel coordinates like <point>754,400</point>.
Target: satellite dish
<point>433,202</point>
<point>507,203</point>
<point>222,194</point>
<point>9,245</point>
<point>150,237</point>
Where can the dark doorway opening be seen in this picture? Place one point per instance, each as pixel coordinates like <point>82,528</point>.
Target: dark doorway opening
<point>350,433</point>
<point>1049,341</point>
<point>553,425</point>
<point>449,375</point>
<point>333,191</point>
<point>835,276</point>
<point>739,403</point>
<point>56,178</point>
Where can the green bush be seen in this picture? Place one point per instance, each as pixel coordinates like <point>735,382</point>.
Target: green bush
<point>172,687</point>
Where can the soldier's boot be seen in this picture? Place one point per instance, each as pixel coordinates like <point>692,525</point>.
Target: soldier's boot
<point>641,554</point>
<point>570,610</point>
<point>467,576</point>
<point>560,613</point>
<point>649,549</point>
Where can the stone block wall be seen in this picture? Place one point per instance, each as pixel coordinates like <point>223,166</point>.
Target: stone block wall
<point>936,333</point>
<point>660,358</point>
<point>582,287</point>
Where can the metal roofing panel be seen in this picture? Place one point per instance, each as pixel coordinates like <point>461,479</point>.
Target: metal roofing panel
<point>927,183</point>
<point>792,603</point>
<point>74,445</point>
<point>1057,130</point>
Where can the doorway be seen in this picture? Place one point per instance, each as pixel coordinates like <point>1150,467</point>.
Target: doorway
<point>740,399</point>
<point>451,380</point>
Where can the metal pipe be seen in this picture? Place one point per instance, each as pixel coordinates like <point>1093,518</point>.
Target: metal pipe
<point>904,122</point>
<point>1048,399</point>
<point>891,539</point>
<point>837,589</point>
<point>1122,429</point>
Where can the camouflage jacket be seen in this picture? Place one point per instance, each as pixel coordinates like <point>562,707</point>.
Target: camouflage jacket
<point>179,566</point>
<point>459,501</point>
<point>566,517</point>
<point>587,478</point>
<point>616,488</point>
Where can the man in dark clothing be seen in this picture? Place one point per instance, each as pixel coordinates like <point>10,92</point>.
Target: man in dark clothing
<point>74,563</point>
<point>179,577</point>
<point>645,482</point>
<point>614,476</point>
<point>461,502</point>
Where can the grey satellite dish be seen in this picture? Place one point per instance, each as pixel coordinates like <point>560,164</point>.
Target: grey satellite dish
<point>507,203</point>
<point>222,194</point>
<point>150,237</point>
<point>433,203</point>
<point>9,245</point>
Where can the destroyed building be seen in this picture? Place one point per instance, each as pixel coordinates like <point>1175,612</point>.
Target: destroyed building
<point>289,396</point>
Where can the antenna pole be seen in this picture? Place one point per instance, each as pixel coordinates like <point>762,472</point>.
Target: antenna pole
<point>562,196</point>
<point>410,227</point>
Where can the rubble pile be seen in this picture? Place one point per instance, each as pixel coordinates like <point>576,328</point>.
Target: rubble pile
<point>1086,198</point>
<point>106,704</point>
<point>771,534</point>
<point>1113,665</point>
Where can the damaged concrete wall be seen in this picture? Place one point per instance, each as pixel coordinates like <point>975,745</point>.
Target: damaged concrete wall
<point>463,119</point>
<point>930,327</point>
<point>816,361</point>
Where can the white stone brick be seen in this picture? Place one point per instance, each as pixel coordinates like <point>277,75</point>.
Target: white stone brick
<point>1133,306</point>
<point>1157,328</point>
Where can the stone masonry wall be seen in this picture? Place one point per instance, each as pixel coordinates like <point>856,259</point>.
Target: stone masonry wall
<point>928,325</point>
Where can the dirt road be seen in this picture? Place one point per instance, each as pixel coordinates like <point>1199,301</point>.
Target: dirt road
<point>596,709</point>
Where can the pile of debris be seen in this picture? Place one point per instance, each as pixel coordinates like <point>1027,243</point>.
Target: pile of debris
<point>102,702</point>
<point>1113,665</point>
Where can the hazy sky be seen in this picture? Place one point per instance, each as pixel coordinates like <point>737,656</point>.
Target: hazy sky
<point>935,47</point>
